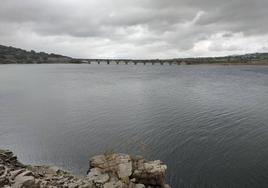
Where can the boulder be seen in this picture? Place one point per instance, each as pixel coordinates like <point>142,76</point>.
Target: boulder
<point>119,164</point>
<point>106,171</point>
<point>97,176</point>
<point>114,184</point>
<point>150,173</point>
<point>24,179</point>
<point>139,186</point>
<point>133,172</point>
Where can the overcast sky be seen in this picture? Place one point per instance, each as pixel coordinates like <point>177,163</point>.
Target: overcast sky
<point>136,28</point>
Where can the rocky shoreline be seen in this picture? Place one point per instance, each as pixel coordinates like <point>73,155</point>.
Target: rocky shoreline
<point>105,171</point>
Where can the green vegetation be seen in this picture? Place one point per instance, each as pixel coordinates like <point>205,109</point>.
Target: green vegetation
<point>13,55</point>
<point>19,56</point>
<point>256,58</point>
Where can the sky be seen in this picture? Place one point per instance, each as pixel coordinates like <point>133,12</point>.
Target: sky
<point>136,28</point>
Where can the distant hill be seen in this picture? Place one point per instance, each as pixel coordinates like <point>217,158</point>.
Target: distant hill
<point>254,58</point>
<point>11,55</point>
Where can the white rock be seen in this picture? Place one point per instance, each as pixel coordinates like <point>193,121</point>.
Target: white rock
<point>139,186</point>
<point>97,177</point>
<point>54,168</point>
<point>119,164</point>
<point>94,171</point>
<point>14,173</point>
<point>155,167</point>
<point>23,181</point>
<point>102,178</point>
<point>133,180</point>
<point>117,184</point>
<point>166,186</point>
<point>124,170</point>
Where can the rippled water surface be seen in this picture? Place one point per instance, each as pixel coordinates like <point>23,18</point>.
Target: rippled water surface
<point>209,124</point>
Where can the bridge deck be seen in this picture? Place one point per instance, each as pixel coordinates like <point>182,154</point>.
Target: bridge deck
<point>131,61</point>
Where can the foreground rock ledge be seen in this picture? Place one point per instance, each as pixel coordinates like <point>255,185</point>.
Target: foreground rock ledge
<point>105,171</point>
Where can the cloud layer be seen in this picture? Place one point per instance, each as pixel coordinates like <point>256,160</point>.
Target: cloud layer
<point>136,28</point>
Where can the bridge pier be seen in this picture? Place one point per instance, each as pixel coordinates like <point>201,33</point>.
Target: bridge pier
<point>144,61</point>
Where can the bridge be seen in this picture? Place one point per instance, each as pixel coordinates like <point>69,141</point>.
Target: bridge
<point>131,61</point>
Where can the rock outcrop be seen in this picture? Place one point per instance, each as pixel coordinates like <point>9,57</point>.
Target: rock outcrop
<point>105,171</point>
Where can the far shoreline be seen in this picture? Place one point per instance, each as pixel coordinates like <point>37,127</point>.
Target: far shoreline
<point>11,55</point>
<point>191,64</point>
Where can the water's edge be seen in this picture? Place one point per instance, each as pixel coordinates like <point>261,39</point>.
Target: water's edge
<point>105,171</point>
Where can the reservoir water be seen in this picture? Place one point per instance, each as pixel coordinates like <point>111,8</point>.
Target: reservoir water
<point>208,123</point>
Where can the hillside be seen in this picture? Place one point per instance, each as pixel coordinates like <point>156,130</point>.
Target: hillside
<point>11,55</point>
<point>254,58</point>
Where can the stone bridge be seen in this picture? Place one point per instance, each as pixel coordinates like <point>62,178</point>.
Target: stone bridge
<point>132,61</point>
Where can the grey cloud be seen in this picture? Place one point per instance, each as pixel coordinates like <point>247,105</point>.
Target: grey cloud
<point>244,16</point>
<point>140,25</point>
